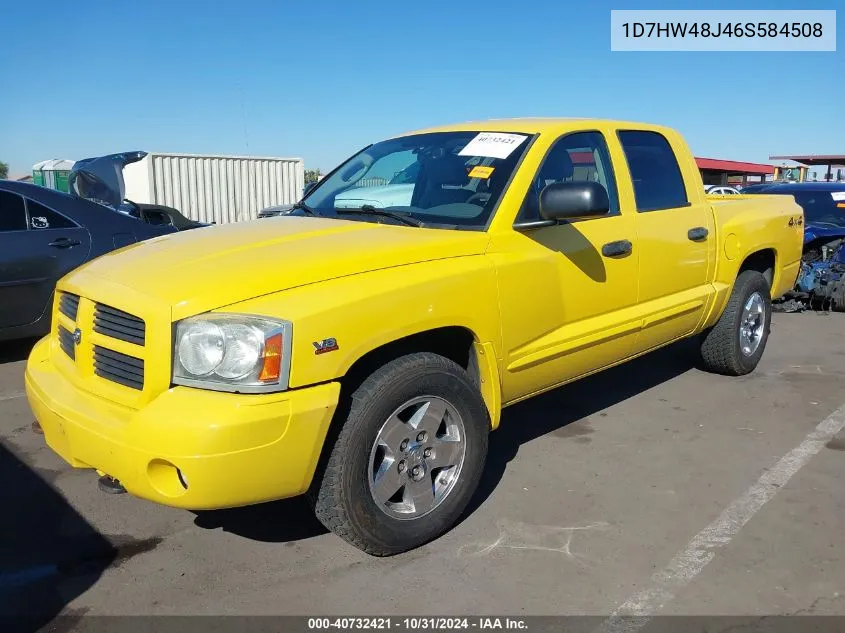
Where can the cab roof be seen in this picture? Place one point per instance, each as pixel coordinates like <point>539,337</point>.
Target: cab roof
<point>531,125</point>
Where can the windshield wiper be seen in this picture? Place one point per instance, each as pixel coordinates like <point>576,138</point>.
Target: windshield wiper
<point>304,207</point>
<point>368,209</point>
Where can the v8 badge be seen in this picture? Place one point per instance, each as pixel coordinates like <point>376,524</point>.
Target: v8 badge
<point>326,345</point>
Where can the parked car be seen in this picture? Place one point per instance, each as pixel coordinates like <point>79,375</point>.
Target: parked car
<point>44,234</point>
<point>720,190</point>
<point>100,179</point>
<point>821,282</point>
<point>761,186</point>
<point>362,355</point>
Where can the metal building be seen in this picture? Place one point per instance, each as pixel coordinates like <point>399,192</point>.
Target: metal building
<point>211,188</point>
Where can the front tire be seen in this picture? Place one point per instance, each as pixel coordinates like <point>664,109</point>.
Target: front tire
<point>735,345</point>
<point>408,457</point>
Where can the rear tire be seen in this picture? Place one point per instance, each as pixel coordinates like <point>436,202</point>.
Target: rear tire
<point>421,412</point>
<point>735,345</point>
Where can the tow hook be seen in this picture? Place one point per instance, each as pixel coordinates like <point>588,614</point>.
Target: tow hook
<point>110,485</point>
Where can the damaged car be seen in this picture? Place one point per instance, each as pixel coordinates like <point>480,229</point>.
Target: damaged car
<point>821,281</point>
<point>45,233</point>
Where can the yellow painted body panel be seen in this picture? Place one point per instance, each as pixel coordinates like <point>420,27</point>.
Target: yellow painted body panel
<point>560,303</point>
<point>231,449</point>
<point>542,306</point>
<point>756,223</point>
<point>364,313</point>
<point>230,262</point>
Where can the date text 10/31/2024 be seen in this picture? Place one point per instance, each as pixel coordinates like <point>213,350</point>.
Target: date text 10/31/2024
<point>416,623</point>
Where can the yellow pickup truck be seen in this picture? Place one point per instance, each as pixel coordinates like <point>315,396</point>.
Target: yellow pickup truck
<point>361,352</point>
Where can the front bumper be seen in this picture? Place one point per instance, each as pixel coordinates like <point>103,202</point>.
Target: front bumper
<point>187,448</point>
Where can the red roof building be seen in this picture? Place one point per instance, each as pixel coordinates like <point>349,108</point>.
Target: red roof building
<point>716,171</point>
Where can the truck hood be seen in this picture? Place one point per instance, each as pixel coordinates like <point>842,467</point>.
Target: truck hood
<point>216,266</point>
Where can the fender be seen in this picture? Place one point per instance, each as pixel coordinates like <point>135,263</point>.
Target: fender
<point>484,357</point>
<point>338,322</point>
<point>741,229</point>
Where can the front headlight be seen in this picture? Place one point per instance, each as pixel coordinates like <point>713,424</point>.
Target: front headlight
<point>232,352</point>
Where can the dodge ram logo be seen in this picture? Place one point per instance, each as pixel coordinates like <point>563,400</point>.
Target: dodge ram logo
<point>77,336</point>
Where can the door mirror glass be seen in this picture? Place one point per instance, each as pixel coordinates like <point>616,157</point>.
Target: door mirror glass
<point>573,201</point>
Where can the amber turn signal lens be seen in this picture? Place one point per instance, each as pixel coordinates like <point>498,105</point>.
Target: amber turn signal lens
<point>272,367</point>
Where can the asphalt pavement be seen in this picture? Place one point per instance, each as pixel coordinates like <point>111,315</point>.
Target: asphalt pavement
<point>653,488</point>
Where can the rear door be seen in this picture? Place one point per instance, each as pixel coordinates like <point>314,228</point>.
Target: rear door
<point>675,230</point>
<point>38,245</point>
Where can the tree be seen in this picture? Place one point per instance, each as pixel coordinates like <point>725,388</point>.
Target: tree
<point>4,170</point>
<point>312,175</point>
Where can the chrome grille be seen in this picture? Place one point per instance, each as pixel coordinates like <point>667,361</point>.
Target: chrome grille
<point>69,305</point>
<point>120,368</point>
<point>119,324</point>
<point>66,342</point>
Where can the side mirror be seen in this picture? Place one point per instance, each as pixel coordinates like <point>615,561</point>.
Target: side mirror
<point>573,201</point>
<point>308,187</point>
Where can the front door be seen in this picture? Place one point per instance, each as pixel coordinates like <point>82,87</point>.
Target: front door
<point>675,238</point>
<point>568,291</point>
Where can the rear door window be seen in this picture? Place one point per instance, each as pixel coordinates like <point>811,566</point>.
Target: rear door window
<point>41,217</point>
<point>658,183</point>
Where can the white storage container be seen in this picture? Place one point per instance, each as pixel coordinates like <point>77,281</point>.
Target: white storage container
<point>217,189</point>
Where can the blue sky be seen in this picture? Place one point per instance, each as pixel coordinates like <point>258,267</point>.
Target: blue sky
<point>319,80</point>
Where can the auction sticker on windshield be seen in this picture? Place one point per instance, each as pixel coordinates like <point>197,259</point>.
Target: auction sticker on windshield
<point>480,171</point>
<point>492,145</point>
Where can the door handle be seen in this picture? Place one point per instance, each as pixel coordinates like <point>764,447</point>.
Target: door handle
<point>698,234</point>
<point>617,248</point>
<point>64,242</point>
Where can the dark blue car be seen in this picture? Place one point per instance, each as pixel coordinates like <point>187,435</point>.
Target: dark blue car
<point>45,233</point>
<point>821,279</point>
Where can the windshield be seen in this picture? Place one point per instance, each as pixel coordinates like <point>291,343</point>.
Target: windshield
<point>820,207</point>
<point>439,178</point>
